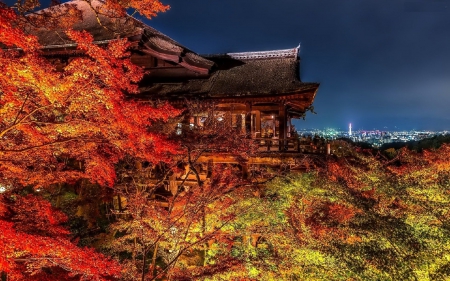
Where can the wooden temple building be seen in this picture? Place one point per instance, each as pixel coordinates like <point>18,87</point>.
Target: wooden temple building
<point>261,91</point>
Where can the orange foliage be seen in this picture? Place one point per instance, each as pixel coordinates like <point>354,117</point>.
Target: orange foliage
<point>62,126</point>
<point>148,8</point>
<point>323,220</point>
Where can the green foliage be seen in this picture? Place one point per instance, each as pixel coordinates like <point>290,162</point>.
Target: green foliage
<point>361,218</point>
<point>266,245</point>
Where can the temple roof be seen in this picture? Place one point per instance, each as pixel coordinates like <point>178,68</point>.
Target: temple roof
<point>245,75</point>
<point>285,53</point>
<point>241,75</point>
<point>105,29</point>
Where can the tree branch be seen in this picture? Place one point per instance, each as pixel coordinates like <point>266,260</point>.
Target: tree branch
<point>14,125</point>
<point>52,143</point>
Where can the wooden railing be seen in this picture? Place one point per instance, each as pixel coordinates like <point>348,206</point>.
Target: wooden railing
<point>289,145</point>
<point>275,144</point>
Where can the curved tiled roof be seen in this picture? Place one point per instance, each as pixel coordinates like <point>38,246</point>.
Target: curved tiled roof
<point>254,75</point>
<point>241,75</point>
<point>121,27</point>
<point>286,53</point>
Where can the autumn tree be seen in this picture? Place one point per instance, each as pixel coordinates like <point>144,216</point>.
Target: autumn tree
<point>361,217</point>
<point>169,214</point>
<point>51,118</point>
<point>262,242</point>
<point>35,246</point>
<point>165,236</point>
<point>62,124</point>
<point>383,219</point>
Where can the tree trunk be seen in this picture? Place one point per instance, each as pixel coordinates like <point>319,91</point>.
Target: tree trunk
<point>58,196</point>
<point>144,256</point>
<point>155,254</point>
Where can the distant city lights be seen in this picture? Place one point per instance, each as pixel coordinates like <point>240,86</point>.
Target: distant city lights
<point>374,137</point>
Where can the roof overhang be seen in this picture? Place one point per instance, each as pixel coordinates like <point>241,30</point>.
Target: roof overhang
<point>142,37</point>
<point>297,101</point>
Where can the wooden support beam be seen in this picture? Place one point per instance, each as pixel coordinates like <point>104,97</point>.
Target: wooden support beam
<point>210,167</point>
<point>248,119</point>
<point>245,173</point>
<point>173,185</point>
<point>229,158</point>
<point>282,126</point>
<point>270,108</point>
<point>258,124</point>
<point>289,130</point>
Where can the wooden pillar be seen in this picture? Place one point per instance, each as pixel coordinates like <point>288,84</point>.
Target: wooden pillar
<point>244,171</point>
<point>258,124</point>
<point>248,119</point>
<point>274,126</point>
<point>210,169</point>
<point>173,185</point>
<point>289,134</point>
<point>282,125</point>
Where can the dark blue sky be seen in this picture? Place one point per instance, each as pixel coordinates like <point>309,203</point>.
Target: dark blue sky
<point>381,63</point>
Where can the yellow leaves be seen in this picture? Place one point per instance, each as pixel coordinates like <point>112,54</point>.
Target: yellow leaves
<point>352,239</point>
<point>253,272</point>
<point>312,257</point>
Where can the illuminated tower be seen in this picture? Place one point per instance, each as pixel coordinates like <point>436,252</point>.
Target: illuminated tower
<point>350,129</point>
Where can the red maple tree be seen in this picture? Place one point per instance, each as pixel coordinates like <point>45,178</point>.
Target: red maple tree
<point>34,245</point>
<point>62,125</point>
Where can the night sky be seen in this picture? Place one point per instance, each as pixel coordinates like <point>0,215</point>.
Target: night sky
<point>381,64</point>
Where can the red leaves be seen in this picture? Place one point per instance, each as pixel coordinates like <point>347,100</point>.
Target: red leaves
<point>40,252</point>
<point>61,126</point>
<point>78,114</point>
<point>33,215</point>
<point>34,240</point>
<point>339,213</point>
<point>12,36</point>
<point>323,220</point>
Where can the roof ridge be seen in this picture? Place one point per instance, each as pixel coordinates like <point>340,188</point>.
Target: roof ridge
<point>283,53</point>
